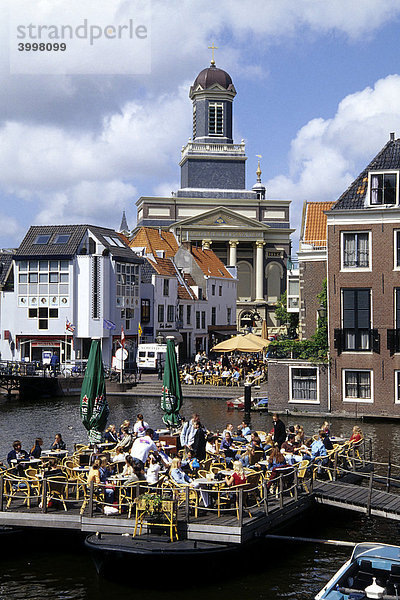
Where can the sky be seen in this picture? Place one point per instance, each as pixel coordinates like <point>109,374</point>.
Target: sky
<point>318,93</point>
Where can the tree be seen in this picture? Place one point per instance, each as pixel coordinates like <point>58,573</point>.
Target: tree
<point>290,319</point>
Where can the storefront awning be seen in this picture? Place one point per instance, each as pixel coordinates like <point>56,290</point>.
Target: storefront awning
<point>225,332</point>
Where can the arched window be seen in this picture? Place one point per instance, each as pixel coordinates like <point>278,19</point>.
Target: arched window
<point>274,275</point>
<point>245,280</point>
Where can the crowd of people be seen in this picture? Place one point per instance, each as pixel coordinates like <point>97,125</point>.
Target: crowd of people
<point>227,369</point>
<point>138,455</point>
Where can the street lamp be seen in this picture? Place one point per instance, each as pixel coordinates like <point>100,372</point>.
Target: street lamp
<point>159,338</point>
<point>321,310</point>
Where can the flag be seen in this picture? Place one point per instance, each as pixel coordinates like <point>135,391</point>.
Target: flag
<point>108,324</point>
<point>69,326</point>
<point>122,337</point>
<point>140,331</point>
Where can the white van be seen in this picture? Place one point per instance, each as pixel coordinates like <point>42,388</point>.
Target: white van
<point>148,356</point>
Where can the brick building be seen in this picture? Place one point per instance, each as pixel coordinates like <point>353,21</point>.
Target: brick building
<point>364,290</point>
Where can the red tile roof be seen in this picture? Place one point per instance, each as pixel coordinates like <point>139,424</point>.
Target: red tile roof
<point>155,239</point>
<point>209,263</point>
<point>314,223</point>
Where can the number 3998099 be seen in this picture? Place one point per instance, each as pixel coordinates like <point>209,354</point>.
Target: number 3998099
<point>42,47</point>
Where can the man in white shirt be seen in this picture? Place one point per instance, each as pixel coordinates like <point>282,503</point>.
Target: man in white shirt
<point>142,447</point>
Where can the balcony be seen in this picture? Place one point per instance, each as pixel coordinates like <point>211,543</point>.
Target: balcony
<point>356,340</point>
<point>199,149</point>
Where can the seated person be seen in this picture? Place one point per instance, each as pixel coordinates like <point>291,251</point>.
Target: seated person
<point>325,427</point>
<point>276,459</point>
<point>249,457</point>
<point>268,443</point>
<point>124,427</point>
<point>227,448</point>
<point>236,376</point>
<point>225,374</point>
<point>238,477</point>
<point>289,449</point>
<point>326,439</point>
<point>165,458</point>
<point>129,472</point>
<point>190,464</point>
<point>211,445</point>
<point>17,453</point>
<point>154,468</point>
<point>126,441</point>
<point>229,429</point>
<point>357,434</point>
<point>36,451</point>
<point>59,443</point>
<point>178,475</point>
<point>53,469</point>
<point>188,378</point>
<point>119,456</point>
<point>243,432</point>
<point>111,435</point>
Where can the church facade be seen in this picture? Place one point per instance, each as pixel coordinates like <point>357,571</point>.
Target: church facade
<point>213,208</point>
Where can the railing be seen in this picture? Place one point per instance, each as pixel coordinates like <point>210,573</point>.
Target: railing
<point>38,369</point>
<point>313,245</point>
<point>199,148</point>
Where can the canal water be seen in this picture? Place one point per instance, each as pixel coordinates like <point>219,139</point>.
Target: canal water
<point>44,565</point>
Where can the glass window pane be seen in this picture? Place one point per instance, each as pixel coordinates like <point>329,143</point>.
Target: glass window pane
<point>54,265</point>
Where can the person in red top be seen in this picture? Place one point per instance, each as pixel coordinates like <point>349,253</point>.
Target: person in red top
<point>238,477</point>
<point>357,434</point>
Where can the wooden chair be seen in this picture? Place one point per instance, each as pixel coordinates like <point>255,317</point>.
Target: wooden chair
<point>302,469</point>
<point>180,495</point>
<point>21,488</point>
<point>199,378</point>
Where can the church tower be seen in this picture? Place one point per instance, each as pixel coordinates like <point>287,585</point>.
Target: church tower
<point>210,160</point>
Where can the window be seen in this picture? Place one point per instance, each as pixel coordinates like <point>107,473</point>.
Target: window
<point>161,313</point>
<point>43,314</point>
<point>166,287</point>
<point>356,319</point>
<point>357,386</point>
<point>303,384</point>
<point>198,319</point>
<point>228,316</point>
<point>213,315</point>
<point>42,239</point>
<point>215,118</point>
<point>188,314</point>
<point>127,284</point>
<point>200,293</point>
<point>220,290</point>
<point>355,250</point>
<point>203,319</point>
<point>145,311</point>
<point>383,188</point>
<point>397,387</point>
<point>170,313</point>
<point>62,238</point>
<point>213,290</point>
<point>393,335</point>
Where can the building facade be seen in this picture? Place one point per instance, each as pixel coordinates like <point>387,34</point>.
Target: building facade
<point>83,275</point>
<point>364,290</point>
<point>213,208</point>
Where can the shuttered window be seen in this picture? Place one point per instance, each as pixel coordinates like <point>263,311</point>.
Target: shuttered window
<point>357,319</point>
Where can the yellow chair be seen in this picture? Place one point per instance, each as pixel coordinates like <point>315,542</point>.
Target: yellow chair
<point>21,488</point>
<point>165,516</point>
<point>180,495</point>
<point>57,489</point>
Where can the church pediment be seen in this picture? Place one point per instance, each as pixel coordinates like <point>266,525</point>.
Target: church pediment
<point>221,218</point>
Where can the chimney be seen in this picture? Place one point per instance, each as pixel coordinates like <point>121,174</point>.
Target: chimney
<point>392,136</point>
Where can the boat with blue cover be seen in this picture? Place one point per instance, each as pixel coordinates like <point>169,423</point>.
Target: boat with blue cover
<point>373,571</point>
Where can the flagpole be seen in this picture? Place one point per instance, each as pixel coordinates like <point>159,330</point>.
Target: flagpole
<point>65,355</point>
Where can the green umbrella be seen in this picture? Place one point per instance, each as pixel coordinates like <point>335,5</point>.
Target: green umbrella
<point>171,400</point>
<point>94,408</point>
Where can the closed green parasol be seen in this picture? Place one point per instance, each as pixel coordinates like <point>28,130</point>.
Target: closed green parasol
<point>94,408</point>
<point>171,400</point>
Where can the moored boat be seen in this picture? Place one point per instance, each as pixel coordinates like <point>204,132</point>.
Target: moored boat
<point>373,571</point>
<point>113,551</point>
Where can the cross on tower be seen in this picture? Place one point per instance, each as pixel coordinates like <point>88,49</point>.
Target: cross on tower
<point>212,48</point>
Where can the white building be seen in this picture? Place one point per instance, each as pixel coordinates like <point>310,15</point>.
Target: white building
<point>81,274</point>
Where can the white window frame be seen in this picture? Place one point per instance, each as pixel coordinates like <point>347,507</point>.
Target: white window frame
<point>358,400</point>
<point>295,400</point>
<point>357,269</point>
<point>396,267</point>
<point>216,105</point>
<point>369,190</point>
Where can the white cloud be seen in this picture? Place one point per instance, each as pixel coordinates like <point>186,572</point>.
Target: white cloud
<point>327,155</point>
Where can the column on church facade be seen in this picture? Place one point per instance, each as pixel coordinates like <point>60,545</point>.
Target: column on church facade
<point>259,270</point>
<point>232,252</point>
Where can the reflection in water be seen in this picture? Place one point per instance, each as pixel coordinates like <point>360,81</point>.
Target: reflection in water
<point>49,565</point>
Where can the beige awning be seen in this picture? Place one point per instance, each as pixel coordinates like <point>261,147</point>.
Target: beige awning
<point>239,343</point>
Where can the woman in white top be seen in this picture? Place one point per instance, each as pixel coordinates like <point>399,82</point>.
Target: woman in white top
<point>153,470</point>
<point>129,469</point>
<point>139,428</point>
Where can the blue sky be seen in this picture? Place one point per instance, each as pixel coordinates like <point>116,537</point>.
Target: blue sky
<point>318,92</point>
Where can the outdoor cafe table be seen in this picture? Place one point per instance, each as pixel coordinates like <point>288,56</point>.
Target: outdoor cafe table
<point>54,453</point>
<point>26,461</point>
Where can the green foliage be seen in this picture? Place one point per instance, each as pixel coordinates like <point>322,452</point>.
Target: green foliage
<point>285,317</point>
<point>315,349</point>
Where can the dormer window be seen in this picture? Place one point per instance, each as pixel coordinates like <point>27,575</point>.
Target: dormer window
<point>383,188</point>
<point>215,118</point>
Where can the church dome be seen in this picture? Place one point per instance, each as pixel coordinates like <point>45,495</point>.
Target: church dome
<point>212,75</point>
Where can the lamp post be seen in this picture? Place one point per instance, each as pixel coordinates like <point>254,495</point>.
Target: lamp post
<point>322,312</point>
<point>160,340</point>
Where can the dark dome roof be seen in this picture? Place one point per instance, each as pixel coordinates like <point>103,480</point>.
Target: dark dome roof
<point>207,77</point>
